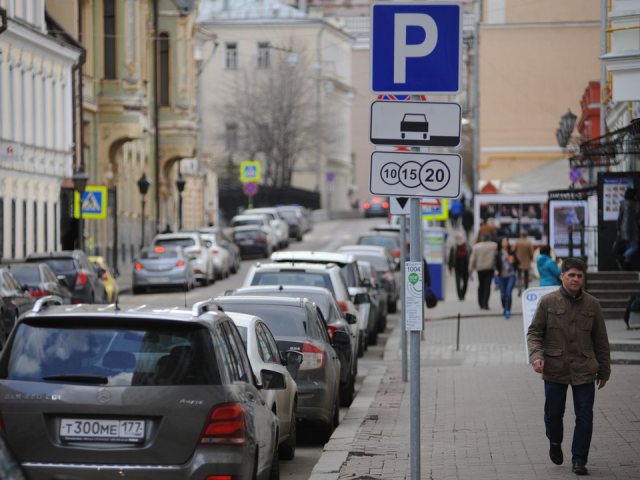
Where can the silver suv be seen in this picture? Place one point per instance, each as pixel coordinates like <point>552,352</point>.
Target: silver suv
<point>100,391</point>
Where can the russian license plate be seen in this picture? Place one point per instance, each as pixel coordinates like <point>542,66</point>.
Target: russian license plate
<point>117,431</point>
<point>246,242</point>
<point>159,279</point>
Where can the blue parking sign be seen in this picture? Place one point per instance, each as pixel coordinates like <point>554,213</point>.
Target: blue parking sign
<point>416,48</point>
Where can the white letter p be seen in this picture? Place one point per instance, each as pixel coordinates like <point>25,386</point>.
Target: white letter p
<point>402,51</point>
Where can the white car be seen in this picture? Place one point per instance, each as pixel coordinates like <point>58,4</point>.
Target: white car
<point>194,246</point>
<point>263,354</point>
<point>262,221</point>
<point>278,223</point>
<point>221,256</point>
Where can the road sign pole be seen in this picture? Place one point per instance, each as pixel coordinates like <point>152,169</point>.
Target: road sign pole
<point>403,325</point>
<point>415,256</point>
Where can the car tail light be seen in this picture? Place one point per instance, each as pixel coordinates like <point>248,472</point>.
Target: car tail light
<point>199,271</point>
<point>388,276</point>
<point>214,251</point>
<point>226,425</point>
<point>180,264</point>
<point>330,330</point>
<point>313,357</point>
<point>159,250</point>
<point>396,252</point>
<point>219,477</point>
<point>138,266</point>
<point>81,279</point>
<point>367,205</point>
<point>385,205</point>
<point>38,293</point>
<point>77,302</point>
<point>344,307</point>
<point>195,252</point>
<point>261,239</point>
<point>376,199</point>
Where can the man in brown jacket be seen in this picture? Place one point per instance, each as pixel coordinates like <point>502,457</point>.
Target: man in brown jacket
<point>524,252</point>
<point>482,257</point>
<point>568,345</point>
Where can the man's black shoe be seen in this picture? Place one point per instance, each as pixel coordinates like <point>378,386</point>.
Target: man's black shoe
<point>555,453</point>
<point>579,468</point>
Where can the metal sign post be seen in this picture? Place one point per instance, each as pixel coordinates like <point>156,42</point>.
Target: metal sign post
<point>403,318</point>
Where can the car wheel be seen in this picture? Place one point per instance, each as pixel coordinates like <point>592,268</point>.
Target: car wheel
<point>267,253</point>
<point>227,272</point>
<point>136,290</point>
<point>299,238</point>
<point>219,275</point>
<point>234,267</point>
<point>93,299</point>
<point>361,345</point>
<point>382,323</point>
<point>288,450</point>
<point>373,336</point>
<point>393,307</point>
<point>274,472</point>
<point>3,331</point>
<point>328,428</point>
<point>346,391</point>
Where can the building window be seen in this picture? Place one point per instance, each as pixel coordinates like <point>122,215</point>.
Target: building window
<point>24,228</point>
<point>45,217</point>
<point>34,108</point>
<point>45,112</point>
<point>231,136</point>
<point>12,99</point>
<point>263,137</point>
<point>55,227</point>
<point>164,69</point>
<point>13,229</point>
<point>35,226</point>
<point>231,56</point>
<point>23,104</point>
<point>109,38</point>
<point>263,54</point>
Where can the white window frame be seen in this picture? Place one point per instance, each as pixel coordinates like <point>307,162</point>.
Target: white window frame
<point>263,55</point>
<point>227,137</point>
<point>227,63</point>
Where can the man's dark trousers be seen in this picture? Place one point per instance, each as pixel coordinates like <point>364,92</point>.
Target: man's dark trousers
<point>462,277</point>
<point>583,398</point>
<point>484,287</point>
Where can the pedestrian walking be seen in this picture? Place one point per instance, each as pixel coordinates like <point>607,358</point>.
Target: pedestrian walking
<point>488,227</point>
<point>568,345</point>
<point>482,260</point>
<point>506,266</point>
<point>467,221</point>
<point>524,252</point>
<point>455,212</point>
<point>628,218</point>
<point>547,268</point>
<point>459,264</point>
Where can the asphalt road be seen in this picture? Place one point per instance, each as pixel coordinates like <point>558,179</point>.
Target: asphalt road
<point>327,236</point>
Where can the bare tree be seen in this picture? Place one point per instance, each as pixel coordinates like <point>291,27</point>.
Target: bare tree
<point>275,110</point>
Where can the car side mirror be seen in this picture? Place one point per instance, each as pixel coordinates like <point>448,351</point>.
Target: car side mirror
<point>192,257</point>
<point>25,288</point>
<point>366,282</point>
<point>351,318</point>
<point>361,298</point>
<point>272,380</point>
<point>62,280</point>
<point>293,358</point>
<point>341,338</point>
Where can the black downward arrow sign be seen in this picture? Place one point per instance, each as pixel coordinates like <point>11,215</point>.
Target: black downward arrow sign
<point>402,201</point>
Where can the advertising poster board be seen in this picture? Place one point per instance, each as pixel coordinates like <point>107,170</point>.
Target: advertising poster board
<point>562,214</point>
<point>513,214</point>
<point>613,190</point>
<point>530,299</point>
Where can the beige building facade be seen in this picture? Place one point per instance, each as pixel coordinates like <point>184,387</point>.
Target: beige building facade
<point>534,59</point>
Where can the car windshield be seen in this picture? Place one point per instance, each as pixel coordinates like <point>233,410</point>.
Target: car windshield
<point>289,215</point>
<point>379,262</point>
<point>176,242</point>
<point>348,274</point>
<point>158,254</point>
<point>59,265</point>
<point>294,277</point>
<point>246,222</point>
<point>123,353</point>
<point>26,275</point>
<point>282,320</point>
<point>379,240</point>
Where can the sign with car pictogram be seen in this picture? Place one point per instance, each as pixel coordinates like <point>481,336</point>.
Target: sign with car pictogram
<point>426,124</point>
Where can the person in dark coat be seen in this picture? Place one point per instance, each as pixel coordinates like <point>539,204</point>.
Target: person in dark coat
<point>467,221</point>
<point>459,264</point>
<point>628,218</point>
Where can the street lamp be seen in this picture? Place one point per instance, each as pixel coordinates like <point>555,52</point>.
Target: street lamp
<point>143,186</point>
<point>180,183</point>
<point>80,180</point>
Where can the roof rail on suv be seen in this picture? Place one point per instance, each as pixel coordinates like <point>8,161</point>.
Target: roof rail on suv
<point>205,306</point>
<point>45,302</point>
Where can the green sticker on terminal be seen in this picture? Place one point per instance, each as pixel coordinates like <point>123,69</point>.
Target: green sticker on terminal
<point>414,278</point>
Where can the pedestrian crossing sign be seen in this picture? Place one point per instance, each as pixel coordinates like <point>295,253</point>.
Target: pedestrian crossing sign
<point>250,172</point>
<point>94,203</point>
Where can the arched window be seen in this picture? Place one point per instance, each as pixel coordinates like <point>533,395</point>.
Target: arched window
<point>109,17</point>
<point>164,69</point>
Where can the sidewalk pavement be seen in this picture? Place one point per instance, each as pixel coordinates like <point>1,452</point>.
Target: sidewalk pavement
<point>481,409</point>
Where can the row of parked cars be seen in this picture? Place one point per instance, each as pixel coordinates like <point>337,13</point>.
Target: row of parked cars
<point>207,254</point>
<point>215,391</point>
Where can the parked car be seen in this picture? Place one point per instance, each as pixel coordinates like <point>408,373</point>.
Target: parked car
<point>263,353</point>
<point>254,235</point>
<point>156,393</point>
<point>74,268</point>
<point>298,222</point>
<point>376,291</point>
<point>376,207</point>
<point>14,302</point>
<point>389,240</point>
<point>107,276</point>
<point>349,269</point>
<point>41,280</point>
<point>296,325</point>
<point>384,264</point>
<point>335,320</point>
<point>162,267</point>
<point>196,249</point>
<point>279,224</point>
<point>221,256</point>
<point>225,241</point>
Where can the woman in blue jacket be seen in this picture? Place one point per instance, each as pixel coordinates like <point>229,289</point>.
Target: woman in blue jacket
<point>547,268</point>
